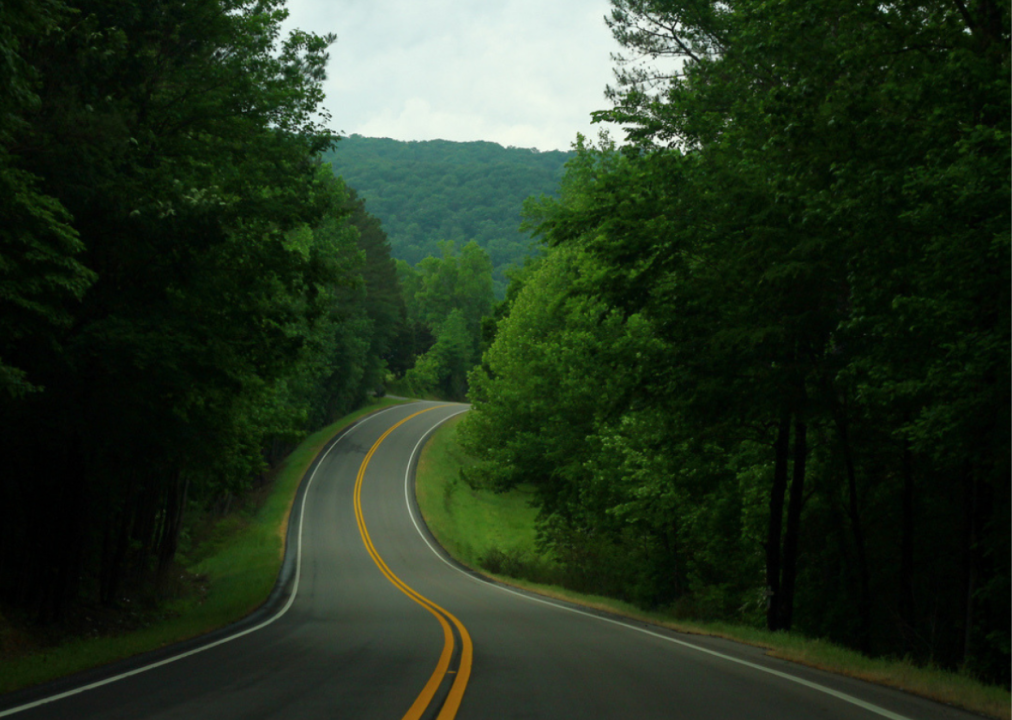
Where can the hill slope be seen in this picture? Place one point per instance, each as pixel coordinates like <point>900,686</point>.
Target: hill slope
<point>428,191</point>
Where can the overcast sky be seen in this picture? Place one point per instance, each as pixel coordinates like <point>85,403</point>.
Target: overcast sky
<point>526,73</point>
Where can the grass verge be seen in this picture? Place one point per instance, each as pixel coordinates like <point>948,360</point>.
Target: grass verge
<point>236,570</point>
<point>469,523</point>
<point>476,526</point>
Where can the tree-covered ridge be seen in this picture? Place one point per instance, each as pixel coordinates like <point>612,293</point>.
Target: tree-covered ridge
<point>184,286</point>
<point>426,192</point>
<point>763,373</point>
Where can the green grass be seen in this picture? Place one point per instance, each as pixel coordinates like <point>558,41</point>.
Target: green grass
<point>471,524</point>
<point>238,575</point>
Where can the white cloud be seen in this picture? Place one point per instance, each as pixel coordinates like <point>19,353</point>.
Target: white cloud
<point>517,72</point>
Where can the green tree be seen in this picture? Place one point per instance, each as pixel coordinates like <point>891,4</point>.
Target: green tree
<point>447,298</point>
<point>858,118</point>
<point>812,288</point>
<point>180,139</point>
<point>40,275</point>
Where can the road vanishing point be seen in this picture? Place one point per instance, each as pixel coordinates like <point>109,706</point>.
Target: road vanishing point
<point>371,619</point>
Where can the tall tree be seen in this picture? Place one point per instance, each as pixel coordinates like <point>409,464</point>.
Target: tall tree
<point>810,228</point>
<point>179,137</point>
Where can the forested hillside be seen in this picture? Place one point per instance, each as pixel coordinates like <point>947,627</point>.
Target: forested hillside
<point>184,287</point>
<point>762,373</point>
<point>431,191</point>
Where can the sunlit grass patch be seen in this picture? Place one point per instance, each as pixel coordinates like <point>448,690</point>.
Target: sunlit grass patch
<point>470,523</point>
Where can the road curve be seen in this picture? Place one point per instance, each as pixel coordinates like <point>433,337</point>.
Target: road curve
<point>375,622</point>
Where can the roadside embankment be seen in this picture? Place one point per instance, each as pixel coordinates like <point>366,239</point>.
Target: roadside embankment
<point>495,534</point>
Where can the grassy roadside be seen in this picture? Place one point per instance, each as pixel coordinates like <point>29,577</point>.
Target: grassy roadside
<point>236,568</point>
<point>468,524</point>
<point>471,525</point>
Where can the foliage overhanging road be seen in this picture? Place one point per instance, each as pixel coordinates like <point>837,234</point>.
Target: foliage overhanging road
<point>356,644</point>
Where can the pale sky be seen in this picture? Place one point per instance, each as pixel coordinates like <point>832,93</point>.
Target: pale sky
<point>526,73</point>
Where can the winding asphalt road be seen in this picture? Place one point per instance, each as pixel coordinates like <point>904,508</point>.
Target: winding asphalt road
<point>371,620</point>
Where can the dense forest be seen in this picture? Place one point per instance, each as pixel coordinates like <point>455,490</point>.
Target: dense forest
<point>761,371</point>
<point>428,192</point>
<point>185,288</point>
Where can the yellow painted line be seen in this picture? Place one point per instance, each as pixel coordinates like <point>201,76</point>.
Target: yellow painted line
<point>463,674</point>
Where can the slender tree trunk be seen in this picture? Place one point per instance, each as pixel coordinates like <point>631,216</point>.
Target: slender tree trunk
<point>907,548</point>
<point>793,531</point>
<point>112,561</point>
<point>780,448</point>
<point>105,564</point>
<point>70,572</point>
<point>145,526</point>
<point>670,540</point>
<point>64,537</point>
<point>969,557</point>
<point>174,506</point>
<point>854,511</point>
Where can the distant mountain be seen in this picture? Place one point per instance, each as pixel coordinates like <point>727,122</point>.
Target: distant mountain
<point>427,191</point>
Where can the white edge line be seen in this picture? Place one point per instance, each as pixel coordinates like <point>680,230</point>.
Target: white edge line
<point>785,676</point>
<point>222,641</point>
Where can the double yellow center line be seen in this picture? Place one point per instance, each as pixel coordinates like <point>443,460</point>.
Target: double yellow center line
<point>463,673</point>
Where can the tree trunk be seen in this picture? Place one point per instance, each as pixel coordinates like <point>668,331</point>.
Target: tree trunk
<point>792,534</point>
<point>112,561</point>
<point>970,533</point>
<point>853,510</point>
<point>907,549</point>
<point>65,539</point>
<point>670,540</point>
<point>780,448</point>
<point>173,520</point>
<point>145,525</point>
